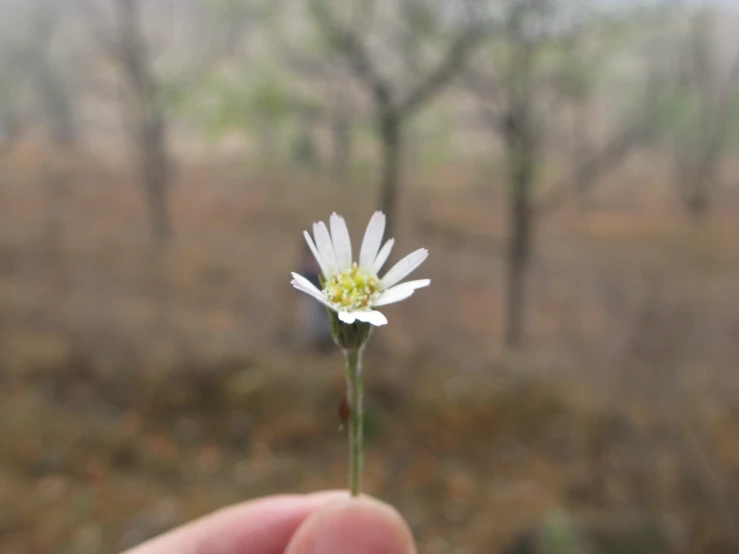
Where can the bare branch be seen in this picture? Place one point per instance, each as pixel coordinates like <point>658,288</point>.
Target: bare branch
<point>452,63</point>
<point>198,67</point>
<point>364,15</point>
<point>302,64</point>
<point>95,27</point>
<point>348,43</point>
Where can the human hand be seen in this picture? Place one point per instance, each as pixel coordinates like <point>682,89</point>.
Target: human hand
<point>319,523</point>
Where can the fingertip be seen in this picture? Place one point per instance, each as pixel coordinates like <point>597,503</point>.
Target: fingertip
<point>358,525</point>
<point>269,522</point>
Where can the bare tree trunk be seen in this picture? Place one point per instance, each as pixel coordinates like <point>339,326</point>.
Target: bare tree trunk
<point>698,203</point>
<point>390,133</point>
<point>155,173</point>
<point>521,175</point>
<point>154,161</point>
<point>519,250</point>
<point>582,152</point>
<point>699,179</point>
<point>694,186</point>
<point>698,167</point>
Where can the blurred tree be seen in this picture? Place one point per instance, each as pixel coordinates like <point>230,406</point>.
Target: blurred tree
<point>36,65</point>
<point>150,127</point>
<point>395,103</point>
<point>703,100</point>
<point>148,92</point>
<point>580,70</point>
<point>313,60</point>
<point>10,124</point>
<point>523,79</point>
<point>693,95</point>
<point>28,56</point>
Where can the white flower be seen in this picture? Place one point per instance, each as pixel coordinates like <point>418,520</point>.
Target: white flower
<point>354,290</point>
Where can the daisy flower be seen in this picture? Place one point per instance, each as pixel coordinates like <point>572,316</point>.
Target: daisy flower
<point>354,289</point>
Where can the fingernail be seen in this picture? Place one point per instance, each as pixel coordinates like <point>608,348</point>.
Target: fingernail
<point>357,526</point>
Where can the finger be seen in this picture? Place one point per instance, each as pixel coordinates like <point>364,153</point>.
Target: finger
<point>358,525</point>
<point>262,526</point>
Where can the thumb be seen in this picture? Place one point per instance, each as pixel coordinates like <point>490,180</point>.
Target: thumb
<point>357,525</point>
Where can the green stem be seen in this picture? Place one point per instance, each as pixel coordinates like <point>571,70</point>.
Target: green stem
<point>356,450</point>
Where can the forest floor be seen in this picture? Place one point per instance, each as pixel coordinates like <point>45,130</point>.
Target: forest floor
<point>142,385</point>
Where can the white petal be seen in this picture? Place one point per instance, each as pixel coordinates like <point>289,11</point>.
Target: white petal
<point>372,241</point>
<point>373,317</point>
<point>342,242</point>
<point>325,248</point>
<point>301,288</point>
<point>400,292</point>
<point>404,267</point>
<point>306,284</point>
<point>309,293</point>
<point>347,317</point>
<point>316,255</point>
<point>382,257</point>
<point>303,285</point>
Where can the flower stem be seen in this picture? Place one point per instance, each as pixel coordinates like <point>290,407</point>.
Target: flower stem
<point>356,450</point>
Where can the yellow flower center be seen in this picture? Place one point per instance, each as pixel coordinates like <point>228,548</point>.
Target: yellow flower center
<point>352,289</point>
